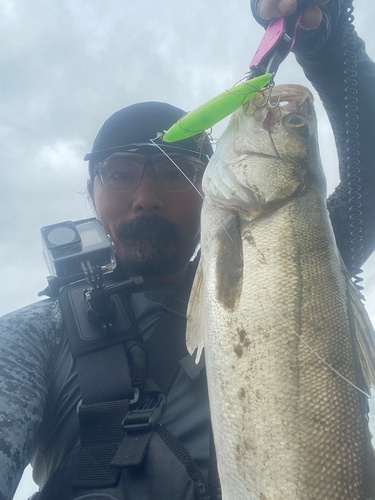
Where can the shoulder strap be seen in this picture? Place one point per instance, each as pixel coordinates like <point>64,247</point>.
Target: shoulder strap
<point>119,408</point>
<point>105,383</point>
<point>167,345</point>
<point>164,349</point>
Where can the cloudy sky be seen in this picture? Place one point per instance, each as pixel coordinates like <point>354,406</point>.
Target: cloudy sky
<point>67,65</point>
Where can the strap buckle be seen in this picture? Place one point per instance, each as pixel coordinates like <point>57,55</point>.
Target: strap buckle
<point>147,413</point>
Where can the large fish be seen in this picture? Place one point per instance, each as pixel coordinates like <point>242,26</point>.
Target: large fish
<point>276,306</point>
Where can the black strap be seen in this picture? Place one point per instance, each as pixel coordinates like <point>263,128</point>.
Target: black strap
<point>214,487</point>
<point>105,384</point>
<point>106,391</point>
<point>115,426</point>
<point>184,457</point>
<point>165,347</point>
<point>103,375</point>
<point>167,344</point>
<point>101,434</point>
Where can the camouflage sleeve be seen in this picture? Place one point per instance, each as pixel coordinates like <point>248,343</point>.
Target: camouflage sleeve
<point>28,340</point>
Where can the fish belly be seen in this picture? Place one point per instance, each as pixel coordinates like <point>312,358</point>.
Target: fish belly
<point>286,426</point>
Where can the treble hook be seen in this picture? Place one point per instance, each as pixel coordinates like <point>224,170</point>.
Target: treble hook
<point>267,98</point>
<point>273,106</point>
<point>263,102</point>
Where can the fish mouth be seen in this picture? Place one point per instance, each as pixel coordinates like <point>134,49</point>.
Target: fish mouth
<point>291,94</point>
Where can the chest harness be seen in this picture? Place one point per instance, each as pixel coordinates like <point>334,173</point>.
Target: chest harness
<point>124,382</point>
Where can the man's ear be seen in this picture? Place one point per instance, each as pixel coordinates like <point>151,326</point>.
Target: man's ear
<point>90,189</point>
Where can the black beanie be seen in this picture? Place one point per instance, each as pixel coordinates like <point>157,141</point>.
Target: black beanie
<point>137,124</point>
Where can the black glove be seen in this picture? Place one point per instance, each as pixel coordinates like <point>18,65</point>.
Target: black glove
<point>312,41</point>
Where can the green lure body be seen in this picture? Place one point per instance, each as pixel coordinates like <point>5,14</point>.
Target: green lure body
<point>216,109</point>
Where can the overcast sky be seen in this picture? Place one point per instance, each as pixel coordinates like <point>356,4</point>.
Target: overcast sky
<point>68,65</point>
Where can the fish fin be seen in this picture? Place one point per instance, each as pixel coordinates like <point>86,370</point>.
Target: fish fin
<point>364,333</point>
<point>364,342</point>
<point>195,316</point>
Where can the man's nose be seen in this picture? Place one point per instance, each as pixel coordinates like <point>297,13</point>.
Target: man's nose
<point>148,197</point>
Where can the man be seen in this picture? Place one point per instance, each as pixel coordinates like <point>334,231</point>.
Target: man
<point>152,204</point>
<point>153,218</point>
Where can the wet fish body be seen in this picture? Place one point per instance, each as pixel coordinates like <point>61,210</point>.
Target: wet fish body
<point>273,300</point>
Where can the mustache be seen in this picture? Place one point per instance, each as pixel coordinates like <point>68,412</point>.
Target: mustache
<point>129,232</point>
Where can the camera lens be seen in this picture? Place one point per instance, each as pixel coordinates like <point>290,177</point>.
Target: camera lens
<point>61,235</point>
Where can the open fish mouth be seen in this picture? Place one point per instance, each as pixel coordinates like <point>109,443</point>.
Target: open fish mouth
<point>284,95</point>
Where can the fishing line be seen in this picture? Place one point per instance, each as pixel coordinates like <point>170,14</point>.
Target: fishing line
<point>274,146</point>
<point>197,190</point>
<point>290,326</point>
<point>284,319</point>
<point>178,168</point>
<point>281,316</point>
<point>254,90</point>
<point>272,107</point>
<point>318,355</point>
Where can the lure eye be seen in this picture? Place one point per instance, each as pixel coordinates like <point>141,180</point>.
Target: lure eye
<point>297,124</point>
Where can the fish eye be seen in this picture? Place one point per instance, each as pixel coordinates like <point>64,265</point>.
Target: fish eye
<point>295,120</point>
<point>297,123</point>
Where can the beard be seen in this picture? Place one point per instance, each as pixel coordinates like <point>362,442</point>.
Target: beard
<point>148,246</point>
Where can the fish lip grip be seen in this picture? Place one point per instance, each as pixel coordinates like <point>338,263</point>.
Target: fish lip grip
<point>277,42</point>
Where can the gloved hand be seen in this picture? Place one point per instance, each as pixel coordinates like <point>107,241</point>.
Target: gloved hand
<point>272,9</point>
<point>317,23</point>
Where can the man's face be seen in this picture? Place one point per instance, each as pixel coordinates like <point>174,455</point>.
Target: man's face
<point>155,231</point>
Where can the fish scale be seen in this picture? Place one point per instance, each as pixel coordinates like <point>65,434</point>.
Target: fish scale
<point>271,295</point>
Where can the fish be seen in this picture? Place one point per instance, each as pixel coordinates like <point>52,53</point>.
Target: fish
<point>288,346</point>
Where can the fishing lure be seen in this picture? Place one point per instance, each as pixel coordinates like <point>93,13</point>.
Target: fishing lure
<point>276,44</point>
<point>216,109</point>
